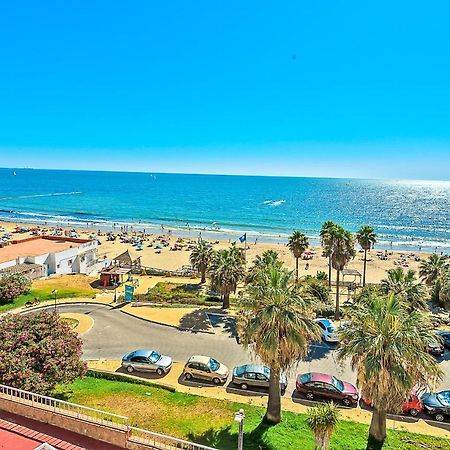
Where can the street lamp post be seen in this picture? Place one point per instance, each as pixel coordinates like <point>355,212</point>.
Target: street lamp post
<point>239,417</point>
<point>115,291</point>
<point>55,292</point>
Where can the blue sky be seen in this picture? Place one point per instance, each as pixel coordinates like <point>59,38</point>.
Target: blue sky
<point>331,88</point>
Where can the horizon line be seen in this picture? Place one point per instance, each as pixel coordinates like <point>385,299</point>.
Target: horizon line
<point>229,174</point>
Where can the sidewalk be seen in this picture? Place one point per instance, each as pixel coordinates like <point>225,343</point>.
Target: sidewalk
<point>353,414</point>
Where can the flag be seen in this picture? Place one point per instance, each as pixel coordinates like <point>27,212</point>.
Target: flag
<point>243,238</point>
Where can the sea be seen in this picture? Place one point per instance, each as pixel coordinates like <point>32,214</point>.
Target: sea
<point>406,215</point>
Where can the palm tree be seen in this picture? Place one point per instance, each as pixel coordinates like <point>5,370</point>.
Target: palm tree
<point>297,244</point>
<point>200,258</point>
<point>316,290</point>
<point>433,268</point>
<point>405,285</point>
<point>366,238</point>
<point>322,420</point>
<point>440,291</point>
<point>386,343</point>
<point>226,271</point>
<point>276,324</point>
<point>268,258</point>
<point>342,251</point>
<point>326,242</point>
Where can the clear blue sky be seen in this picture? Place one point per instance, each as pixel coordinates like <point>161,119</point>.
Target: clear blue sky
<point>329,88</point>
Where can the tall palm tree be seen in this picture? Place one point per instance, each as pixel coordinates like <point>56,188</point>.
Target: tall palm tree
<point>326,242</point>
<point>200,258</point>
<point>297,244</point>
<point>277,324</point>
<point>385,343</point>
<point>268,258</point>
<point>405,285</point>
<point>322,420</point>
<point>342,251</point>
<point>433,268</point>
<point>226,271</point>
<point>366,238</point>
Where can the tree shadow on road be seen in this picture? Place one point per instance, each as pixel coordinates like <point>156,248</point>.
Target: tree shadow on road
<point>319,350</point>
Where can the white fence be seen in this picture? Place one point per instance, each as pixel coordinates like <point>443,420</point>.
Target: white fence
<point>163,442</point>
<point>115,421</point>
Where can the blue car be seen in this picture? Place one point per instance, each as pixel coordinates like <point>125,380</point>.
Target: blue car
<point>147,361</point>
<point>437,404</point>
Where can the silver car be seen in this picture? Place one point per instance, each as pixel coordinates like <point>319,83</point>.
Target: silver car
<point>147,361</point>
<point>255,375</point>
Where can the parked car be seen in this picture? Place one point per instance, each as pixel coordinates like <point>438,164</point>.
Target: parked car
<point>445,337</point>
<point>147,361</point>
<point>328,330</point>
<point>437,404</point>
<point>412,406</point>
<point>435,348</point>
<point>255,375</point>
<point>315,384</point>
<point>205,368</point>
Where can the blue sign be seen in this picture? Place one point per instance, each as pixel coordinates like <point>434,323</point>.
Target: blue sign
<point>129,292</point>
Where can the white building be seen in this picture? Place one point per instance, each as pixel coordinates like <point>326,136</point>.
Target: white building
<point>46,255</point>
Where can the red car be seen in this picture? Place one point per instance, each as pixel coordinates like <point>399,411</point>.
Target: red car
<point>412,406</point>
<point>316,384</point>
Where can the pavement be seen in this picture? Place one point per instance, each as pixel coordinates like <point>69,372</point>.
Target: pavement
<point>85,322</point>
<point>114,333</point>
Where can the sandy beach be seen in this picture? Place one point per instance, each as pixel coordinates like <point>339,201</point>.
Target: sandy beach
<point>167,259</point>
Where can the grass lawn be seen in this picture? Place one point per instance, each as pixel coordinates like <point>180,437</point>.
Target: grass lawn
<point>211,422</point>
<point>67,286</point>
<point>174,294</point>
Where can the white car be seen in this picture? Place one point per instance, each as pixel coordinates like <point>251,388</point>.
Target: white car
<point>328,329</point>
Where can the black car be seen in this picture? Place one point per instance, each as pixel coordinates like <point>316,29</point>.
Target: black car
<point>445,337</point>
<point>435,348</point>
<point>437,404</point>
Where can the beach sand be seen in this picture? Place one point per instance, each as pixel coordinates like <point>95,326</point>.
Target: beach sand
<point>172,260</point>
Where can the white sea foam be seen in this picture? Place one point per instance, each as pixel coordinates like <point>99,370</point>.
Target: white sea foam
<point>53,194</point>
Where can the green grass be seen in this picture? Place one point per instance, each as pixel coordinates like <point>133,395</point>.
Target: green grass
<point>210,421</point>
<point>168,294</point>
<point>44,294</point>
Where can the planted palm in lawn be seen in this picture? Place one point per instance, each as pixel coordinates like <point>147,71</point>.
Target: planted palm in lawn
<point>385,343</point>
<point>276,324</point>
<point>322,419</point>
<point>226,271</point>
<point>211,422</point>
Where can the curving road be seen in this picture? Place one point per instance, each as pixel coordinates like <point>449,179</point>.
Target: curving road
<point>114,333</point>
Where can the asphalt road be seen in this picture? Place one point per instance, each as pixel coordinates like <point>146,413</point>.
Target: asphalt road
<point>114,333</point>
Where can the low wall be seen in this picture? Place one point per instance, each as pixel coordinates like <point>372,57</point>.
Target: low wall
<point>80,426</point>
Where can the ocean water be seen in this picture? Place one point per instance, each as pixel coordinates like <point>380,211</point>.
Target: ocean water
<point>405,214</point>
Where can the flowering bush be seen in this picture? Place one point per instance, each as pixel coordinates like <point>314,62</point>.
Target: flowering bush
<point>38,351</point>
<point>11,286</point>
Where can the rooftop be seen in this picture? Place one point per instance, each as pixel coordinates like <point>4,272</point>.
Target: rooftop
<point>38,246</point>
